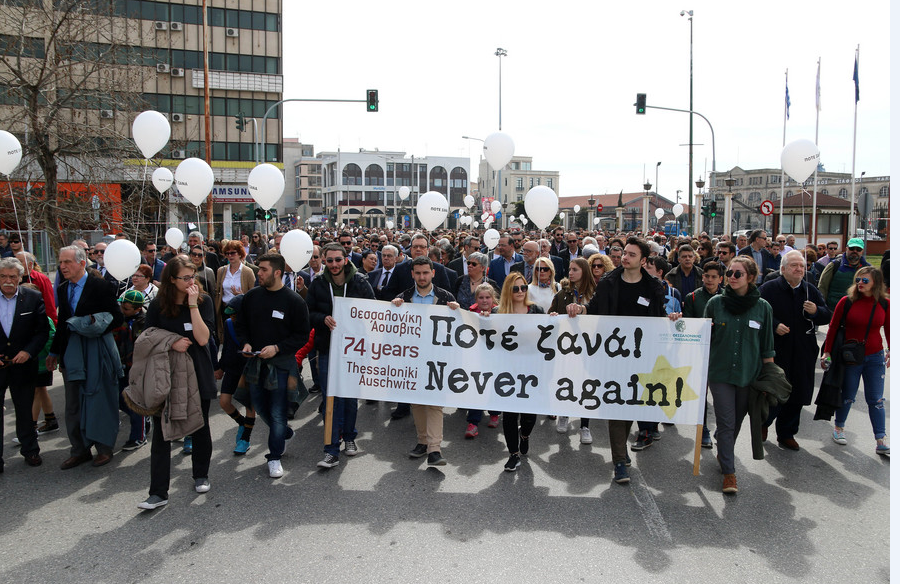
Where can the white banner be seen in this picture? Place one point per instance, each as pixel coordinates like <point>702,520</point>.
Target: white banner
<point>614,368</point>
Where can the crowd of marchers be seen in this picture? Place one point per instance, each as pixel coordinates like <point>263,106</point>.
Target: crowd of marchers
<point>231,321</point>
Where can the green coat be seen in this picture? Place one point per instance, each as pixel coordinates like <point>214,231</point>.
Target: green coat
<point>739,342</point>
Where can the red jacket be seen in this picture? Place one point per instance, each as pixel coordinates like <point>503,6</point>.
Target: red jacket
<point>46,288</point>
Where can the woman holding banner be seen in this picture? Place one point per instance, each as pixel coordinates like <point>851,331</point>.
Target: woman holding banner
<point>742,340</point>
<point>543,285</point>
<point>514,300</point>
<point>578,289</point>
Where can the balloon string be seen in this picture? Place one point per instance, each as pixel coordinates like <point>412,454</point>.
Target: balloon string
<point>15,213</point>
<point>137,220</point>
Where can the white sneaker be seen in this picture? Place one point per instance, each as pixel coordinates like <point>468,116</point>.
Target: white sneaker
<point>275,470</point>
<point>562,424</point>
<point>586,437</point>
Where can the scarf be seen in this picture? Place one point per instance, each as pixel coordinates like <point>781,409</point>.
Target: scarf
<point>736,304</point>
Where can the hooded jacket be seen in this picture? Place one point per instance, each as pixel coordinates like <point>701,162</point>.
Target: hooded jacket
<point>320,303</point>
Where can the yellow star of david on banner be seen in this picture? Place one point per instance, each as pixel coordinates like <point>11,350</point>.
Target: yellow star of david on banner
<point>663,373</point>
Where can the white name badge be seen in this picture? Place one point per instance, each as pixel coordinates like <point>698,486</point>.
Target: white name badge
<point>188,326</point>
<point>278,314</point>
<point>754,324</point>
<point>643,301</point>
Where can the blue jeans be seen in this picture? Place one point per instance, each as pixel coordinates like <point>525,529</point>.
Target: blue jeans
<point>872,372</point>
<point>271,406</point>
<point>343,417</point>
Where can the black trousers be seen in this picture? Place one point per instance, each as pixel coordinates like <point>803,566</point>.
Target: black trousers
<point>161,454</point>
<point>511,430</point>
<point>22,398</point>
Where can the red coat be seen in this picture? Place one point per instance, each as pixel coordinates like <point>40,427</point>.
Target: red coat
<point>46,288</point>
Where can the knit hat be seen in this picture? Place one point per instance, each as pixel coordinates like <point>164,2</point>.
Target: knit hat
<point>133,297</point>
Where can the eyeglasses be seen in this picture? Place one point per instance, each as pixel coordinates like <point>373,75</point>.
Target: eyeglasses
<point>333,260</point>
<point>722,252</point>
<point>138,276</point>
<point>232,252</point>
<point>147,250</point>
<point>735,274</point>
<point>856,249</point>
<point>517,289</point>
<point>184,278</point>
<point>100,251</point>
<point>863,280</point>
<point>315,257</point>
<point>832,249</point>
<point>542,269</point>
<point>571,241</point>
<point>473,264</point>
<point>199,255</point>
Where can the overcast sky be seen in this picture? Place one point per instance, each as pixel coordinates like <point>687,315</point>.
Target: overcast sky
<point>570,79</point>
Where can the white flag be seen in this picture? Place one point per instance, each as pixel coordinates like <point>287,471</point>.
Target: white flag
<point>818,86</point>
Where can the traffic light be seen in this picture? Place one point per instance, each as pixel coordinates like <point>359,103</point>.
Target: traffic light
<point>269,214</point>
<point>641,104</point>
<point>259,214</point>
<point>240,122</point>
<point>371,100</point>
<point>712,208</point>
<point>705,210</point>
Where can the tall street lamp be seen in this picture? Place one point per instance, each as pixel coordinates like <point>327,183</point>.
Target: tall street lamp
<point>591,202</point>
<point>690,14</point>
<point>500,53</point>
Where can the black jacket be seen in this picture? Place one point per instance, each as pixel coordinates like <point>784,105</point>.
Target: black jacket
<point>441,296</point>
<point>29,332</point>
<point>606,297</point>
<point>318,299</point>
<point>98,296</point>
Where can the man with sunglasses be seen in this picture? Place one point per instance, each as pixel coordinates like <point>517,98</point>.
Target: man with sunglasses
<point>470,245</point>
<point>148,256</point>
<point>210,258</point>
<point>340,279</point>
<point>831,252</point>
<point>559,245</point>
<point>838,274</point>
<point>797,308</point>
<point>346,240</point>
<point>725,252</point>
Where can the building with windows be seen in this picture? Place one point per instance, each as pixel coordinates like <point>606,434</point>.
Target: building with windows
<point>304,192</point>
<point>363,188</point>
<point>158,47</point>
<point>752,187</point>
<point>515,180</point>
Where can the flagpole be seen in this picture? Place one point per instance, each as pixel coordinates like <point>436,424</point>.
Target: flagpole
<point>783,142</point>
<point>816,173</point>
<point>852,226</point>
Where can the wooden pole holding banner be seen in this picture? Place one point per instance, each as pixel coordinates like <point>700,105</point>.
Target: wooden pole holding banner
<point>697,441</point>
<point>329,413</point>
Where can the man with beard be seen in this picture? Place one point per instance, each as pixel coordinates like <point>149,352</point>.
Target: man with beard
<point>838,274</point>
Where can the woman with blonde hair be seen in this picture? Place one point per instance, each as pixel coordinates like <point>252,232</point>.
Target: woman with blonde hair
<point>514,299</point>
<point>543,286</point>
<point>601,264</point>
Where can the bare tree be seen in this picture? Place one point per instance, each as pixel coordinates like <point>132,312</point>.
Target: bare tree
<point>68,79</point>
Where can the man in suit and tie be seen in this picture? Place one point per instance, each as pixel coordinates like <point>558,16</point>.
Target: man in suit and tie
<point>504,258</point>
<point>559,266</point>
<point>381,277</point>
<point>402,278</point>
<point>24,330</point>
<point>470,244</point>
<point>81,294</point>
<point>530,251</point>
<point>346,240</point>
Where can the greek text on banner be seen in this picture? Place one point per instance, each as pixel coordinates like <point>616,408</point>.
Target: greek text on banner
<point>607,367</point>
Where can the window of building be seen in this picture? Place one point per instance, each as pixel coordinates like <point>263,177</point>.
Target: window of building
<point>829,224</point>
<point>530,182</point>
<point>842,193</point>
<point>885,191</point>
<point>520,182</point>
<point>550,182</point>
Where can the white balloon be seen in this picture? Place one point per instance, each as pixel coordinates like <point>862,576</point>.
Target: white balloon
<point>577,208</point>
<point>522,217</point>
<point>659,213</point>
<point>194,179</point>
<point>491,238</point>
<point>162,179</point>
<point>469,200</point>
<point>121,259</point>
<point>10,152</point>
<point>174,237</point>
<point>403,193</point>
<point>496,206</point>
<point>498,150</point>
<point>297,248</point>
<point>541,204</point>
<point>432,209</point>
<point>485,216</point>
<point>596,220</point>
<point>475,224</point>
<point>389,224</point>
<point>266,184</point>
<point>562,215</point>
<point>677,209</point>
<point>151,131</point>
<point>799,159</point>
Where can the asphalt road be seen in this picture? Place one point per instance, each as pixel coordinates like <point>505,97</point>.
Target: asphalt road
<point>821,514</point>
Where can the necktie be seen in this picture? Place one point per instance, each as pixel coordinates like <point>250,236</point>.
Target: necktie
<point>72,289</point>
<point>528,269</point>
<point>384,280</point>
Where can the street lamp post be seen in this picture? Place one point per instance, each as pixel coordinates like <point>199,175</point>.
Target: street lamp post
<point>645,210</point>
<point>700,184</point>
<point>690,14</point>
<point>500,53</point>
<point>657,183</point>
<point>591,203</point>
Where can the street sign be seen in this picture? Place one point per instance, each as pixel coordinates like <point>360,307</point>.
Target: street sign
<point>599,207</point>
<point>766,207</point>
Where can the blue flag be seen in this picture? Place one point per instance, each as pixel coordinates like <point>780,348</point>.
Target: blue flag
<point>787,101</point>
<point>856,76</point>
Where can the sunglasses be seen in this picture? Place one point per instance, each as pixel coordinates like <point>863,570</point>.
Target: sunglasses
<point>473,264</point>
<point>333,260</point>
<point>228,253</point>
<point>98,251</point>
<point>542,269</point>
<point>863,280</point>
<point>722,252</point>
<point>196,255</point>
<point>184,278</point>
<point>571,241</point>
<point>596,266</point>
<point>517,289</point>
<point>735,273</point>
<point>315,257</point>
<point>856,249</point>
<point>832,249</point>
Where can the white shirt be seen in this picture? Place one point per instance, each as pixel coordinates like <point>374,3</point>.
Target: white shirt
<point>543,297</point>
<point>229,281</point>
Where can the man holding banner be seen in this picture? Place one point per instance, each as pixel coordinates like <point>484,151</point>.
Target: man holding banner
<point>340,279</point>
<point>429,419</point>
<point>627,291</point>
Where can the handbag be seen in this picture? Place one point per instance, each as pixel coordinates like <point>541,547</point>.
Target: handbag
<point>854,352</point>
